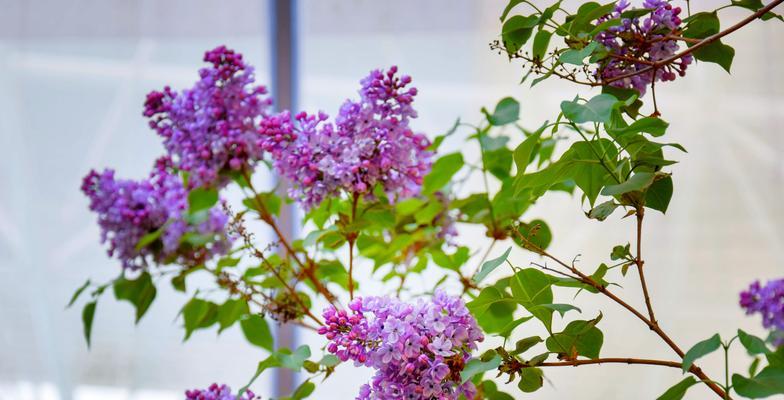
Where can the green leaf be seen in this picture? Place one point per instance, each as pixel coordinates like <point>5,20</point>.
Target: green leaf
<point>428,213</point>
<point>257,331</point>
<point>475,366</point>
<point>768,382</point>
<point>492,309</point>
<point>231,311</point>
<point>753,344</point>
<point>408,206</point>
<point>531,379</point>
<point>604,210</point>
<point>196,314</point>
<point>561,308</point>
<point>582,337</point>
<point>296,359</point>
<point>590,177</point>
<point>577,57</point>
<point>516,31</point>
<point>329,360</point>
<point>88,313</point>
<point>524,151</point>
<point>304,390</point>
<point>679,390</point>
<point>506,111</point>
<point>499,162</point>
<point>522,345</point>
<point>531,288</point>
<point>78,293</point>
<point>651,125</point>
<point>507,330</point>
<point>638,182</point>
<point>442,171</point>
<point>490,265</point>
<point>140,292</point>
<point>699,350</point>
<point>541,42</point>
<point>702,25</point>
<point>717,53</point>
<point>597,109</point>
<point>201,199</point>
<point>587,13</point>
<point>659,194</point>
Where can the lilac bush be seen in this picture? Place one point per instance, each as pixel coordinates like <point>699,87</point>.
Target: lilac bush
<point>217,392</point>
<point>418,349</point>
<point>369,142</point>
<point>130,210</point>
<point>768,301</point>
<point>212,129</point>
<point>381,196</point>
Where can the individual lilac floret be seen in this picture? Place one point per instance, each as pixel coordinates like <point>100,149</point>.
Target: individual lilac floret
<point>217,392</point>
<point>128,210</point>
<point>418,349</point>
<point>642,39</point>
<point>211,129</point>
<point>768,301</point>
<point>369,143</point>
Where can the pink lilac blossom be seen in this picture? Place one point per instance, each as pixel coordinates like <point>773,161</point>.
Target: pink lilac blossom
<point>217,392</point>
<point>369,143</point>
<point>417,349</point>
<point>210,130</point>
<point>642,39</point>
<point>129,209</point>
<point>768,301</point>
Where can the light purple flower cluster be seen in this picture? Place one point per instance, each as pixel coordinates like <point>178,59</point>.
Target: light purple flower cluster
<point>128,210</point>
<point>767,300</point>
<point>645,39</point>
<point>211,129</point>
<point>217,392</point>
<point>418,349</point>
<point>369,143</point>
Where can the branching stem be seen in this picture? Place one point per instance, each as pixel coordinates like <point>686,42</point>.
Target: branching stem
<point>587,280</point>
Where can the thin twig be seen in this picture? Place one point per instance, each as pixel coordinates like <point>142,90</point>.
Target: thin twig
<point>612,360</point>
<point>654,327</point>
<point>640,263</point>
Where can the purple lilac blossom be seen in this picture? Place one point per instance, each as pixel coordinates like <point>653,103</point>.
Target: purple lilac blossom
<point>417,349</point>
<point>217,392</point>
<point>642,39</point>
<point>768,301</point>
<point>211,129</point>
<point>129,209</point>
<point>370,142</point>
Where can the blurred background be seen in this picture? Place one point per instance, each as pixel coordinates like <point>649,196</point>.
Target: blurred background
<point>73,75</point>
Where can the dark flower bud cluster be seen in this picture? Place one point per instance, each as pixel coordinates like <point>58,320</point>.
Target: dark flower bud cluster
<point>638,41</point>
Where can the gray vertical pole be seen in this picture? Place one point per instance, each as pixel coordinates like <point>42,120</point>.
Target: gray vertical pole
<point>283,54</point>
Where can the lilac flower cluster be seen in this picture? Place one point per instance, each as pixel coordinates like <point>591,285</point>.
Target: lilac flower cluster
<point>369,143</point>
<point>128,210</point>
<point>217,392</point>
<point>767,300</point>
<point>418,349</point>
<point>645,39</point>
<point>211,129</point>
